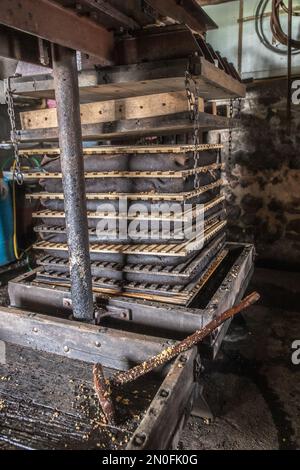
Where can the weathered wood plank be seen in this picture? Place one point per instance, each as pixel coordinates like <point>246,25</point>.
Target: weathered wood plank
<point>114,110</point>
<point>149,78</point>
<point>44,19</point>
<point>127,149</point>
<point>48,402</point>
<point>168,407</point>
<point>160,125</point>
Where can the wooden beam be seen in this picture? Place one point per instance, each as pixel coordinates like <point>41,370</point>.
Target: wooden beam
<point>50,21</point>
<point>166,76</point>
<point>157,429</point>
<point>204,3</point>
<point>104,11</point>
<point>19,46</point>
<point>188,12</point>
<point>127,149</point>
<point>156,44</point>
<point>114,110</point>
<point>160,125</point>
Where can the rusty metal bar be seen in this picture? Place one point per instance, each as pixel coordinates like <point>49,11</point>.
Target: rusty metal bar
<point>50,21</point>
<point>173,351</point>
<point>70,141</point>
<point>103,386</point>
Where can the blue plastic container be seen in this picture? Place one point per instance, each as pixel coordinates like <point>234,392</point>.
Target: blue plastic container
<point>6,224</point>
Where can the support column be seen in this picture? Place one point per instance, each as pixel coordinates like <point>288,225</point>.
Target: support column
<point>72,167</point>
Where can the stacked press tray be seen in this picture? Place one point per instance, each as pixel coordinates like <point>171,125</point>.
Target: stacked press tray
<point>158,260</point>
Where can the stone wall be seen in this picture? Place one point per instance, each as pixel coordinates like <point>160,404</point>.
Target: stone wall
<point>263,174</point>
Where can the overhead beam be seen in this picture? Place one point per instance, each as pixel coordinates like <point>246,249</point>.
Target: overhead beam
<point>203,3</point>
<point>188,12</point>
<point>166,76</point>
<point>19,46</point>
<point>102,11</point>
<point>50,21</point>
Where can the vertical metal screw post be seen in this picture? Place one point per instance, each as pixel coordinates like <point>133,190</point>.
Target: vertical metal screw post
<point>72,167</point>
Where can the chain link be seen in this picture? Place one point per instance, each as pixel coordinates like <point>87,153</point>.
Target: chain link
<point>231,115</point>
<point>230,127</point>
<point>17,173</point>
<point>239,111</point>
<point>193,102</point>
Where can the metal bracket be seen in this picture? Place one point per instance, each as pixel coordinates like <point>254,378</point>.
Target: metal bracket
<point>111,311</point>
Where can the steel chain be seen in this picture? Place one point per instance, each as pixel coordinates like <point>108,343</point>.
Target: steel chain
<point>230,127</point>
<point>17,173</point>
<point>238,116</point>
<point>193,102</point>
<point>239,112</point>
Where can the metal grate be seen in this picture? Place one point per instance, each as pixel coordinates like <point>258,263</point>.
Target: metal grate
<point>49,214</point>
<point>180,273</point>
<point>178,294</point>
<point>130,174</point>
<point>171,249</point>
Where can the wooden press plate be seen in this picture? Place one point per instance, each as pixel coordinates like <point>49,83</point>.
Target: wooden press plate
<point>179,295</point>
<point>126,149</point>
<point>49,214</point>
<point>172,249</point>
<point>133,196</point>
<point>129,174</point>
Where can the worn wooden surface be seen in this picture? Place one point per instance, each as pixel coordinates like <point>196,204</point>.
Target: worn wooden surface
<point>47,402</point>
<point>75,340</point>
<point>127,149</point>
<point>170,407</point>
<point>126,128</point>
<point>165,76</point>
<point>114,110</point>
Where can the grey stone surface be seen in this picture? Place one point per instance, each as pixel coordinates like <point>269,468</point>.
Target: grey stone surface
<point>253,388</point>
<point>263,175</point>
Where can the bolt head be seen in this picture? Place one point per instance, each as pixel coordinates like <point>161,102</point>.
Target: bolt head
<point>66,349</point>
<point>139,439</point>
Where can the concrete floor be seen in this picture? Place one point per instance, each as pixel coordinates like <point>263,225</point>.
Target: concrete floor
<point>252,387</point>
